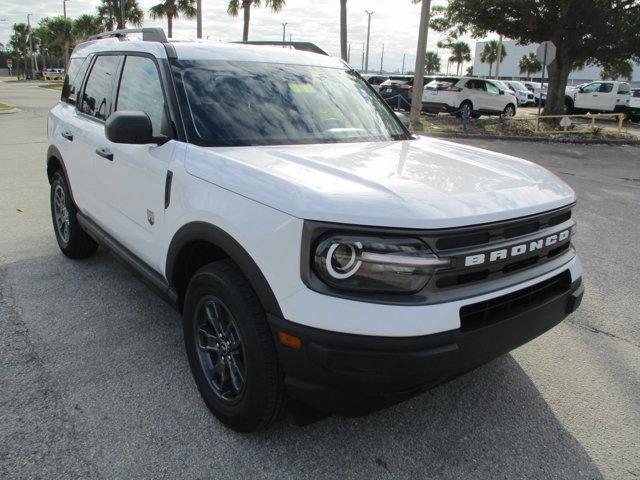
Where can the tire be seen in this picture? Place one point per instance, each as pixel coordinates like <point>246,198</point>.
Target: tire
<point>245,390</point>
<point>568,106</point>
<point>73,241</point>
<point>509,110</point>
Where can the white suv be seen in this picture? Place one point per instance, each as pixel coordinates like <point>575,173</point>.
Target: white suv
<point>482,96</point>
<point>314,247</point>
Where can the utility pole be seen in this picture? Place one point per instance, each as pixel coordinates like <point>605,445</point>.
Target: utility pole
<point>366,58</point>
<point>404,56</point>
<point>64,8</point>
<point>284,33</point>
<point>199,19</point>
<point>499,58</point>
<point>418,81</point>
<point>382,59</point>
<point>33,68</point>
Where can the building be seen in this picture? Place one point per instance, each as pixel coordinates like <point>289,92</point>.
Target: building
<point>509,69</point>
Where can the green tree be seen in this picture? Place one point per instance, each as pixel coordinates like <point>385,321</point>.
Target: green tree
<point>489,54</point>
<point>469,72</point>
<point>583,31</point>
<point>235,5</point>
<point>343,30</point>
<point>529,64</point>
<point>172,9</point>
<point>432,63</point>
<point>460,53</point>
<point>616,71</point>
<point>19,45</point>
<point>58,36</point>
<point>111,13</point>
<point>86,25</point>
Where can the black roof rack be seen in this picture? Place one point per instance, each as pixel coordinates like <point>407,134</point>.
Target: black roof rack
<point>148,34</point>
<point>304,46</point>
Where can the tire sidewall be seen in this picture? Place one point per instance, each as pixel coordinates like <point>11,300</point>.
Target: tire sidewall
<point>58,180</point>
<point>246,412</point>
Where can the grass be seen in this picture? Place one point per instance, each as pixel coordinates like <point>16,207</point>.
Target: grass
<point>519,126</point>
<point>5,107</point>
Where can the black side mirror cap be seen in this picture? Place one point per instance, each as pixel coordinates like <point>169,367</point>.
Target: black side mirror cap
<point>501,92</point>
<point>131,127</point>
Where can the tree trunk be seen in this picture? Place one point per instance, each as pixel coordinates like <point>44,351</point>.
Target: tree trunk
<point>558,75</point>
<point>490,69</point>
<point>343,29</point>
<point>66,55</point>
<point>170,25</point>
<point>246,7</point>
<point>199,19</point>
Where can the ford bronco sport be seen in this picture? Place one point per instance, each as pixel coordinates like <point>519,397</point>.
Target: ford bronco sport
<point>314,247</point>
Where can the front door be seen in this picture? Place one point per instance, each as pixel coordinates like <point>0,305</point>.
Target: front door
<point>133,177</point>
<point>587,97</point>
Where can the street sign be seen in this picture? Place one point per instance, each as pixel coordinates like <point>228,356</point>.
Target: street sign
<point>546,53</point>
<point>9,62</point>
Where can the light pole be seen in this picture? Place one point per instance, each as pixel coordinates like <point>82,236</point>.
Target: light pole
<point>64,8</point>
<point>33,68</point>
<point>362,64</point>
<point>404,56</point>
<point>382,59</point>
<point>284,33</point>
<point>366,58</point>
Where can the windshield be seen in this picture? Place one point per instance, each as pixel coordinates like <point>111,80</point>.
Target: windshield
<point>248,103</point>
<point>518,86</point>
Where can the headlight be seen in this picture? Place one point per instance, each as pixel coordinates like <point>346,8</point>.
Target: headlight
<point>375,264</point>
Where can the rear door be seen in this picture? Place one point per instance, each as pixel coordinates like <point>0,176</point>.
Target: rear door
<point>132,181</point>
<point>475,90</point>
<point>623,96</point>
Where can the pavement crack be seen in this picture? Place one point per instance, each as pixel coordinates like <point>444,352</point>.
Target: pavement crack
<point>597,330</point>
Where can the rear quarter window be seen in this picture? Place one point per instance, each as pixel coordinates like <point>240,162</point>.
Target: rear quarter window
<point>73,79</point>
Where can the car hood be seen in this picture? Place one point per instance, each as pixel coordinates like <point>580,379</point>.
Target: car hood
<point>423,183</point>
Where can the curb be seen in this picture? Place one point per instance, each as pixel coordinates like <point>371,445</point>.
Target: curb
<point>584,141</point>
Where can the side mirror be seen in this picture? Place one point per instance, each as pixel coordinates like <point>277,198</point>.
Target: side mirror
<point>581,90</point>
<point>131,127</point>
<point>501,92</point>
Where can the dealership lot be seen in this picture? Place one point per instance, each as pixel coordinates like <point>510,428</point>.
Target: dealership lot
<point>95,381</point>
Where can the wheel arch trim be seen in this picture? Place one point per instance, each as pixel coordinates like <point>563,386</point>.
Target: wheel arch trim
<point>203,231</point>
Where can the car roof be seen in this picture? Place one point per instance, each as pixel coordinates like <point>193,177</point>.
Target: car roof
<point>208,50</point>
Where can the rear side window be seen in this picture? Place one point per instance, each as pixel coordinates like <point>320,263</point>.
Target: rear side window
<point>635,93</point>
<point>141,90</point>
<point>606,87</point>
<point>624,89</point>
<point>96,98</point>
<point>73,79</point>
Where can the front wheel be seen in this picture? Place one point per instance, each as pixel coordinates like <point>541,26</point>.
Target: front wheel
<point>230,349</point>
<point>509,111</point>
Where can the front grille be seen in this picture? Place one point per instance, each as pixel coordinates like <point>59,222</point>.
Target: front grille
<point>458,244</point>
<point>506,306</point>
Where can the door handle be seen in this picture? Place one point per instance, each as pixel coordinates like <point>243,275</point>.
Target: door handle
<point>68,136</point>
<point>105,153</point>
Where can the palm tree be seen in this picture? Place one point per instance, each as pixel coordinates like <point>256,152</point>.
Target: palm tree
<point>19,44</point>
<point>529,64</point>
<point>235,5</point>
<point>86,25</point>
<point>171,9</point>
<point>460,53</point>
<point>59,35</point>
<point>432,63</point>
<point>343,29</point>
<point>489,54</point>
<point>111,13</point>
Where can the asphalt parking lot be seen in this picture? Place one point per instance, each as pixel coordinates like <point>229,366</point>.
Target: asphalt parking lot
<point>94,381</point>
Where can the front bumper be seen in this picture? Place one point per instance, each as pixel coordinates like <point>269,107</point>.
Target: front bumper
<point>346,374</point>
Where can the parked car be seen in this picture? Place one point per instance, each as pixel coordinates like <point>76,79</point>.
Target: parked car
<point>505,88</point>
<point>482,96</point>
<point>397,91</point>
<point>601,97</point>
<point>524,96</point>
<point>313,245</point>
<point>375,80</point>
<point>53,74</point>
<point>539,91</point>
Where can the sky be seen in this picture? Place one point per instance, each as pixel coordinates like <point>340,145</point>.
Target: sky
<point>394,24</point>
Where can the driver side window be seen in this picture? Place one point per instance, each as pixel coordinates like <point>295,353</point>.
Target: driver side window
<point>492,89</point>
<point>594,87</point>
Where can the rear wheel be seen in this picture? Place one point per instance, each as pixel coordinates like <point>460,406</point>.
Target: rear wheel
<point>230,349</point>
<point>72,239</point>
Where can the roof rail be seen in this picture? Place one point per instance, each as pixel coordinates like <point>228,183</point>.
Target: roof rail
<point>148,34</point>
<point>304,46</point>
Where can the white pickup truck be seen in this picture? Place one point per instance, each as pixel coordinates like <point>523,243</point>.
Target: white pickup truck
<point>600,97</point>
